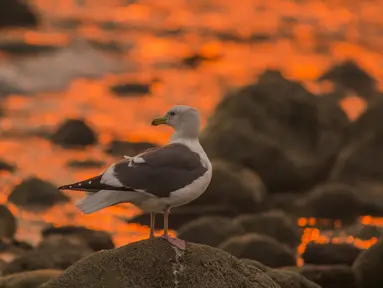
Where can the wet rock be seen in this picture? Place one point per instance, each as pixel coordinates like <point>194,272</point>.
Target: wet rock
<point>89,163</point>
<point>131,89</point>
<point>348,75</point>
<point>368,267</point>
<point>275,224</point>
<point>210,231</point>
<point>36,194</point>
<point>16,13</point>
<point>120,148</point>
<point>330,254</point>
<point>74,133</point>
<point>23,48</point>
<point>200,266</point>
<point>31,279</point>
<point>97,240</point>
<point>6,167</point>
<point>8,223</point>
<point>287,135</point>
<point>328,201</point>
<point>334,276</point>
<point>254,263</point>
<point>288,279</point>
<point>235,187</point>
<point>261,248</point>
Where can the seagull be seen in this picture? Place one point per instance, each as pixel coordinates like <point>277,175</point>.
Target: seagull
<point>157,179</point>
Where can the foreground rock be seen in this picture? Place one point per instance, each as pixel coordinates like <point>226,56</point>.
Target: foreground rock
<point>277,128</point>
<point>8,223</point>
<point>31,279</point>
<point>210,231</point>
<point>16,13</point>
<point>74,133</point>
<point>232,186</point>
<point>330,254</point>
<point>36,194</point>
<point>368,267</point>
<point>275,224</point>
<point>119,148</point>
<point>96,240</point>
<point>157,264</point>
<point>261,248</point>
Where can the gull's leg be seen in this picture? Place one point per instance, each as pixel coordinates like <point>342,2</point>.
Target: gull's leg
<point>180,244</point>
<point>152,222</point>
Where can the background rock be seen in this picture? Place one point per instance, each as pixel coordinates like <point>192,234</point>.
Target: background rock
<point>8,223</point>
<point>31,279</point>
<point>120,148</point>
<point>288,279</point>
<point>334,276</point>
<point>16,13</point>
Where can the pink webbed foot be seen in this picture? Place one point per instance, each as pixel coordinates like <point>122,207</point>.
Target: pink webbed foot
<point>179,243</point>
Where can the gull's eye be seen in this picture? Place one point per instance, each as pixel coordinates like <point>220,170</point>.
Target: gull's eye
<point>172,113</point>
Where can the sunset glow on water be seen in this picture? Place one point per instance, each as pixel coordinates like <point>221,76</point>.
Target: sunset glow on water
<point>301,38</point>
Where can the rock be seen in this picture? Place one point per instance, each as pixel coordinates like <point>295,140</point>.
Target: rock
<point>330,254</point>
<point>195,60</point>
<point>275,224</point>
<point>254,263</point>
<point>288,279</point>
<point>210,230</point>
<point>96,240</point>
<point>16,13</point>
<point>261,248</point>
<point>278,129</point>
<point>334,276</point>
<point>6,167</point>
<point>60,242</point>
<point>31,279</point>
<point>74,133</point>
<point>368,267</point>
<point>23,48</point>
<point>89,163</point>
<point>120,148</point>
<point>234,187</point>
<point>12,248</point>
<point>349,76</point>
<point>328,201</point>
<point>131,89</point>
<point>364,232</point>
<point>110,46</point>
<point>8,223</point>
<point>2,265</point>
<point>36,194</point>
<point>157,264</point>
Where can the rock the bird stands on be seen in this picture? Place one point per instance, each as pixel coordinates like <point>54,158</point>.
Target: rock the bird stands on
<point>157,179</point>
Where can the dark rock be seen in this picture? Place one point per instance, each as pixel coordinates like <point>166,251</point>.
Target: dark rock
<point>157,264</point>
<point>364,232</point>
<point>288,279</point>
<point>97,240</point>
<point>16,13</point>
<point>8,223</point>
<point>235,187</point>
<point>6,167</point>
<point>328,201</point>
<point>112,46</point>
<point>2,265</point>
<point>32,279</point>
<point>119,148</point>
<point>210,231</point>
<point>195,60</point>
<point>368,267</point>
<point>131,89</point>
<point>274,224</point>
<point>277,128</point>
<point>281,201</point>
<point>330,254</point>
<point>74,133</point>
<point>36,194</point>
<point>254,263</point>
<point>348,75</point>
<point>60,242</point>
<point>85,163</point>
<point>261,248</point>
<point>23,48</point>
<point>334,276</point>
<point>13,248</point>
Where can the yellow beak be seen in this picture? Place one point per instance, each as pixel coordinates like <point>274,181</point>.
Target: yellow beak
<point>159,121</point>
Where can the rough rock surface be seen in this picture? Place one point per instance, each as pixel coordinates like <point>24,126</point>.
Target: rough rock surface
<point>32,279</point>
<point>74,133</point>
<point>261,248</point>
<point>210,231</point>
<point>155,263</point>
<point>35,194</point>
<point>275,224</point>
<point>8,223</point>
<point>16,13</point>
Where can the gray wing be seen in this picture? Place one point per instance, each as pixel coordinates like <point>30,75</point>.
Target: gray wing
<point>160,171</point>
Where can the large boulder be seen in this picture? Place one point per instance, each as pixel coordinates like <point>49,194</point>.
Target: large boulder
<point>36,194</point>
<point>275,224</point>
<point>8,223</point>
<point>154,263</point>
<point>31,279</point>
<point>330,276</point>
<point>289,279</point>
<point>261,248</point>
<point>235,187</point>
<point>277,128</point>
<point>210,230</point>
<point>74,133</point>
<point>16,13</point>
<point>368,267</point>
<point>330,254</point>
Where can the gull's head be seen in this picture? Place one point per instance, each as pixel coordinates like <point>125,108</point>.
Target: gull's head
<point>184,119</point>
